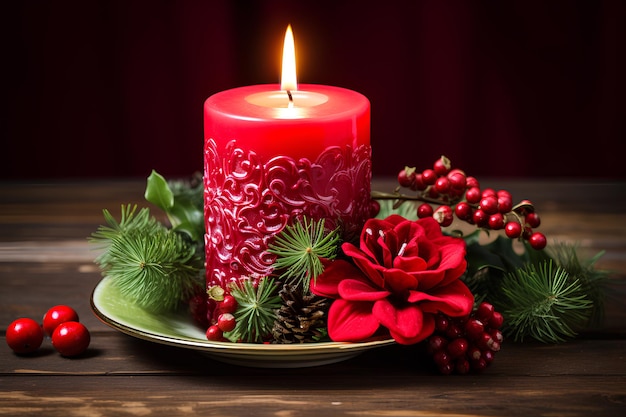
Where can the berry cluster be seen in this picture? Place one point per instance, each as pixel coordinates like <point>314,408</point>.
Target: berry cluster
<point>225,321</point>
<point>466,344</point>
<point>456,194</point>
<point>69,336</point>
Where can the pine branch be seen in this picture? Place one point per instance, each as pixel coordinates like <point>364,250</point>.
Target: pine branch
<point>543,303</point>
<point>130,221</point>
<point>592,280</point>
<point>256,309</point>
<point>154,267</point>
<point>299,251</point>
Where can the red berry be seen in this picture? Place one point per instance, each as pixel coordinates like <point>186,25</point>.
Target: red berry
<point>504,194</point>
<point>474,328</point>
<point>479,365</point>
<point>471,182</point>
<point>446,369</point>
<point>496,320</point>
<point>443,215</point>
<point>24,335</point>
<point>71,338</point>
<point>215,334</point>
<point>454,331</point>
<point>228,305</point>
<point>441,358</point>
<point>488,356</point>
<point>489,204</point>
<point>441,323</point>
<point>226,322</point>
<point>532,219</point>
<point>489,192</point>
<point>406,177</point>
<point>474,353</point>
<point>504,205</point>
<point>457,347</point>
<point>513,229</point>
<point>484,312</point>
<point>537,241</point>
<point>496,221</point>
<point>442,166</point>
<point>424,210</point>
<point>463,211</point>
<point>57,315</point>
<point>496,335</point>
<point>462,366</point>
<point>457,180</point>
<point>473,195</point>
<point>480,218</point>
<point>418,183</point>
<point>436,343</point>
<point>429,176</point>
<point>442,185</point>
<point>486,342</point>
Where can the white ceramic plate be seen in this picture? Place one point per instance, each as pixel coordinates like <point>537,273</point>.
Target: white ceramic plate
<point>179,330</point>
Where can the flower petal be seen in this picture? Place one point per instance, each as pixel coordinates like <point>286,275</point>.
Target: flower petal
<point>407,325</point>
<point>454,299</point>
<point>360,290</point>
<point>350,321</point>
<point>326,285</point>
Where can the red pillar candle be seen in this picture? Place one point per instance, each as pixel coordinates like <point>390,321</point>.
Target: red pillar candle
<point>273,156</point>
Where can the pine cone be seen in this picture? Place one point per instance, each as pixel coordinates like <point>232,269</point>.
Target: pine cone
<point>301,318</point>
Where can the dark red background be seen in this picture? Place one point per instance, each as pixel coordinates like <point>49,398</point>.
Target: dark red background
<point>504,88</point>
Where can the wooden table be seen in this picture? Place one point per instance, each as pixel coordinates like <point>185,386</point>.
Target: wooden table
<point>45,260</point>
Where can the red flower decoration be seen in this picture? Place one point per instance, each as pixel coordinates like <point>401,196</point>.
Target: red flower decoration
<point>403,274</point>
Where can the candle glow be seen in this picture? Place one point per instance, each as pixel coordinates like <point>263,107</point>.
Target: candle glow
<point>269,160</point>
<point>289,78</point>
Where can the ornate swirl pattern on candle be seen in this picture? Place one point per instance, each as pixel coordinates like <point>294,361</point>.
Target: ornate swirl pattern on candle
<point>248,201</point>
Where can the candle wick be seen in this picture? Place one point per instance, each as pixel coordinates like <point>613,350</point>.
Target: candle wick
<point>290,105</point>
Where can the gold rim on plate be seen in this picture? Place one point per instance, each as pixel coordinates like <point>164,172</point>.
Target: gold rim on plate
<point>177,329</point>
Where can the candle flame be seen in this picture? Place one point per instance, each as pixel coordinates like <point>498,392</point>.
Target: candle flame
<point>289,80</point>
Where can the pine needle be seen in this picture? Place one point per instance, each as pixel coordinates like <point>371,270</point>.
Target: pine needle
<point>299,251</point>
<point>154,267</point>
<point>544,303</point>
<point>256,309</point>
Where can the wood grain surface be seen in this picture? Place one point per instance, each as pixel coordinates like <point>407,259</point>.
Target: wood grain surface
<point>45,260</point>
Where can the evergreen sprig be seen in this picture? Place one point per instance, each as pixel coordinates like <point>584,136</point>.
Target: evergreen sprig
<point>130,220</point>
<point>153,266</point>
<point>543,302</point>
<point>256,309</point>
<point>299,250</point>
<point>592,279</point>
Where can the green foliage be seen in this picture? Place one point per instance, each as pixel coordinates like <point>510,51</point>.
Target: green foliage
<point>544,303</point>
<point>299,251</point>
<point>153,266</point>
<point>256,309</point>
<point>404,208</point>
<point>182,203</point>
<point>548,295</point>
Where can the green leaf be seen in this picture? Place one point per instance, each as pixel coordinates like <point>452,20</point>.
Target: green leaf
<point>182,204</point>
<point>158,192</point>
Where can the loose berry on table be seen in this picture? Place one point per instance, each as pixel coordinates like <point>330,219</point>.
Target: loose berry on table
<point>24,335</point>
<point>71,338</point>
<point>57,315</point>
